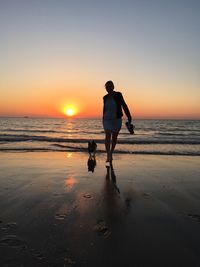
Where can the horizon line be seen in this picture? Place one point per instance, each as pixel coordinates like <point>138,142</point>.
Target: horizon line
<point>98,117</point>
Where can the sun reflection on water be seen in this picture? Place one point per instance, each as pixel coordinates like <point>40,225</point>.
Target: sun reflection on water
<point>70,182</point>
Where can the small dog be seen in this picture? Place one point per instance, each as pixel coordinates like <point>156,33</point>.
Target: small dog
<point>92,146</point>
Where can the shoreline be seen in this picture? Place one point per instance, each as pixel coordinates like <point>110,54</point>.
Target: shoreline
<point>84,151</point>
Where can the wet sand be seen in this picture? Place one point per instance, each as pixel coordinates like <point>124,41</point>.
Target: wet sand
<point>143,212</point>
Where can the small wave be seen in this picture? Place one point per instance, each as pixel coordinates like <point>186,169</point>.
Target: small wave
<point>172,134</point>
<point>23,138</point>
<point>178,134</point>
<point>84,150</point>
<point>50,131</point>
<point>29,131</point>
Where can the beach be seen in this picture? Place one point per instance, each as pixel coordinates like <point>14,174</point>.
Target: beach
<point>142,211</point>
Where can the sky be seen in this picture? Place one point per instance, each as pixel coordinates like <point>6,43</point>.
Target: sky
<point>55,53</point>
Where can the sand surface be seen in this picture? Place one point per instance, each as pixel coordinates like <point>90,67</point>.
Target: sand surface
<point>143,212</point>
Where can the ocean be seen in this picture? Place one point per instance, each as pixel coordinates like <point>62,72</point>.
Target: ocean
<point>163,137</point>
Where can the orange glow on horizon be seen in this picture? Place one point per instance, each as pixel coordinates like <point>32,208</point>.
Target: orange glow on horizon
<point>80,103</point>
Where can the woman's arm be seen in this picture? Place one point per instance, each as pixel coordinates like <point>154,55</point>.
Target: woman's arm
<point>125,108</point>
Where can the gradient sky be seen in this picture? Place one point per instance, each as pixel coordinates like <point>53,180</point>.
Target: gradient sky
<point>59,52</point>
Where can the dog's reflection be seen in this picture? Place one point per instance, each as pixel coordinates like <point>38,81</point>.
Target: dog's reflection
<point>91,163</point>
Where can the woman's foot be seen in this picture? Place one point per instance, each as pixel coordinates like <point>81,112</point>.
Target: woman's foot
<point>109,158</point>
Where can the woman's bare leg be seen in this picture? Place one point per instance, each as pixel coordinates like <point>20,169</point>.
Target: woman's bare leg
<point>114,142</point>
<point>107,143</point>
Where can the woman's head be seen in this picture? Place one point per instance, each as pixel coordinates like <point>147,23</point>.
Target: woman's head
<point>109,85</point>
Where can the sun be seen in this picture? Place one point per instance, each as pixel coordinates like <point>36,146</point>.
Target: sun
<point>70,111</point>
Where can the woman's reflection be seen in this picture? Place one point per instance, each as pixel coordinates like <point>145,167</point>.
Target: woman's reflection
<point>110,176</point>
<point>113,206</point>
<point>116,203</point>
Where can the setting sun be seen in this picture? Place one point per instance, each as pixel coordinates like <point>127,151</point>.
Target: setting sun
<point>70,111</point>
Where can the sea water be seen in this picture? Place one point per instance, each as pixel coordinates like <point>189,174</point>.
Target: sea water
<point>167,137</point>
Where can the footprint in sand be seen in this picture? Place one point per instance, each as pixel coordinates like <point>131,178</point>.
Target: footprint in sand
<point>57,195</point>
<point>12,241</point>
<point>60,216</point>
<point>194,216</point>
<point>68,262</point>
<point>102,229</point>
<point>87,195</point>
<point>38,255</point>
<point>9,226</point>
<point>65,212</point>
<point>146,195</point>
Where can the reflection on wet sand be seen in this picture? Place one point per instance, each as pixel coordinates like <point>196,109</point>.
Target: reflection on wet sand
<point>69,155</point>
<point>54,213</point>
<point>110,176</point>
<point>91,163</point>
<point>112,202</point>
<point>70,183</point>
<point>117,202</point>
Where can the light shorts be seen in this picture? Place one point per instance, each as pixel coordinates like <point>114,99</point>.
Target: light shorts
<point>113,125</point>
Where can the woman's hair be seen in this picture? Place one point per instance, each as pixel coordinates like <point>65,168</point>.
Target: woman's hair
<point>109,84</point>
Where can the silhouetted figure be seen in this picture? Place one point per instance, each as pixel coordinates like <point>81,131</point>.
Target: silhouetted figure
<point>92,147</point>
<point>113,103</point>
<point>91,163</point>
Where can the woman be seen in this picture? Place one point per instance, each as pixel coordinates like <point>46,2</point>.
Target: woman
<point>112,117</point>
